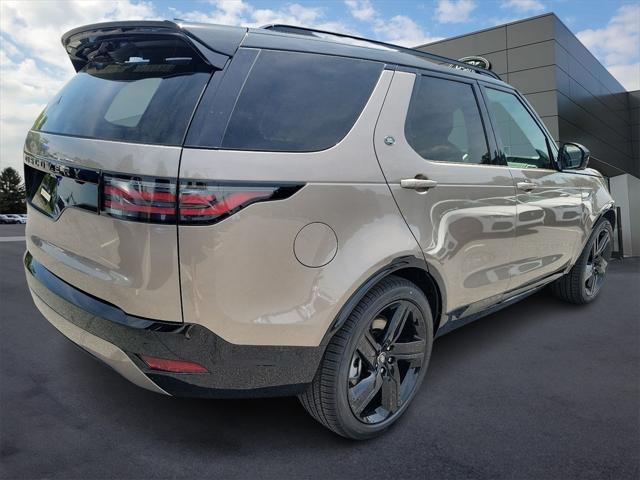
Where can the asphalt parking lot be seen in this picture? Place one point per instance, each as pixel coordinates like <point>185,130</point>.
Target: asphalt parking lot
<point>540,390</point>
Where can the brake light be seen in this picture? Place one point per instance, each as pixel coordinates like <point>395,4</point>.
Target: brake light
<point>139,198</point>
<point>208,203</point>
<point>174,366</point>
<point>195,202</point>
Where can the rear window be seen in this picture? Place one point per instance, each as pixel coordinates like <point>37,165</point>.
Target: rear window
<point>142,95</point>
<point>291,102</point>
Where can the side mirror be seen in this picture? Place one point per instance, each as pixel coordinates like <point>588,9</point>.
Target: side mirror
<point>573,156</point>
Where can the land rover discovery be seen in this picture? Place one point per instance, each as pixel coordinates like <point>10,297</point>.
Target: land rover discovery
<point>227,212</point>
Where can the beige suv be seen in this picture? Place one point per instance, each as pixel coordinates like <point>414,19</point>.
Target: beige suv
<point>222,212</point>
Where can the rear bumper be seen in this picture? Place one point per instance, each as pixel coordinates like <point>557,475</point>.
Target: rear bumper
<point>119,339</point>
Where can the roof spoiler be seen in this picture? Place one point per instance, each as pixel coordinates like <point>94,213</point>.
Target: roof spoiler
<point>215,43</point>
<point>411,51</point>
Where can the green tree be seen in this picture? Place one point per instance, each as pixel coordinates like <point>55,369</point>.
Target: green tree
<point>12,193</point>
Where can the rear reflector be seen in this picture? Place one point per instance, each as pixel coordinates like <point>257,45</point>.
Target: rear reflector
<point>174,366</point>
<point>155,200</point>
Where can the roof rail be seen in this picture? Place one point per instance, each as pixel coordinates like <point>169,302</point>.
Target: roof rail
<point>411,51</point>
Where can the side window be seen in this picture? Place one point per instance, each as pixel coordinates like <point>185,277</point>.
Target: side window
<point>299,102</point>
<point>523,141</point>
<point>444,124</point>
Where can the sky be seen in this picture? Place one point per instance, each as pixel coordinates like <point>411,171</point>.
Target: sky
<point>34,66</point>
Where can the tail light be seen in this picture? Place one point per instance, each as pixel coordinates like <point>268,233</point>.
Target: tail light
<point>156,200</point>
<point>139,198</point>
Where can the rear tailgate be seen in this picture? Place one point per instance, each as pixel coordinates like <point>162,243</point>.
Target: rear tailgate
<point>101,164</point>
<point>132,265</point>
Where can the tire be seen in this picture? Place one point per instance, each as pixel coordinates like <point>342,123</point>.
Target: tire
<point>376,356</point>
<point>584,281</point>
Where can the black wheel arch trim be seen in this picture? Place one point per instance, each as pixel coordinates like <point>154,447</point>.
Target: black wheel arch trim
<point>610,208</point>
<point>397,264</point>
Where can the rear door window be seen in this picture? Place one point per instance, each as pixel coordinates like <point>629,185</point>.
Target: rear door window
<point>142,93</point>
<point>292,102</point>
<point>444,123</point>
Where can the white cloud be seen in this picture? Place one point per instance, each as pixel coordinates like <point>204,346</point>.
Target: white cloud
<point>454,11</point>
<point>523,5</point>
<point>362,10</point>
<point>399,29</point>
<point>239,12</point>
<point>33,64</point>
<point>619,40</point>
<point>627,75</point>
<point>618,44</point>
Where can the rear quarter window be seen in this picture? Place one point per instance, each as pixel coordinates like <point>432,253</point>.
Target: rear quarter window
<point>294,102</point>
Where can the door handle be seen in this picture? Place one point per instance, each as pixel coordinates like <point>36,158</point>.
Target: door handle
<point>417,183</point>
<point>526,186</point>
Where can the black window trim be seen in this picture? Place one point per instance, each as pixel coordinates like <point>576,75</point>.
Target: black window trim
<point>220,88</point>
<point>497,160</point>
<point>532,113</point>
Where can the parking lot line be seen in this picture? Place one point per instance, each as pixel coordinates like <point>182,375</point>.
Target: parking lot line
<point>12,239</point>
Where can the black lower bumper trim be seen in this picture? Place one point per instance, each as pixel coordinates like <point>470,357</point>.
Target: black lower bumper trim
<point>233,370</point>
<point>180,387</point>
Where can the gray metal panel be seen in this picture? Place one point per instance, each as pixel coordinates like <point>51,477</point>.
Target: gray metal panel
<point>595,87</point>
<point>534,80</point>
<point>530,31</point>
<point>598,107</point>
<point>563,81</point>
<point>580,117</point>
<point>486,41</point>
<point>634,117</point>
<point>498,61</point>
<point>562,57</point>
<point>531,56</point>
<point>551,123</point>
<point>634,120</point>
<point>544,103</point>
<point>599,148</point>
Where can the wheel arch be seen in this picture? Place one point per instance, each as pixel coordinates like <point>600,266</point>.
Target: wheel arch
<point>610,215</point>
<point>410,268</point>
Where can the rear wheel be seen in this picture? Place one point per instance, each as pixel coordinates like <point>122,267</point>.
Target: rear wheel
<point>374,365</point>
<point>584,281</point>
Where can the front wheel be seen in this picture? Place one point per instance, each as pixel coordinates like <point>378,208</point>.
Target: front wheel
<point>586,278</point>
<point>374,365</point>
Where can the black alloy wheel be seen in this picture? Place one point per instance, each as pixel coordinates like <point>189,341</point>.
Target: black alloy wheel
<point>585,279</point>
<point>374,365</point>
<point>385,366</point>
<point>597,262</point>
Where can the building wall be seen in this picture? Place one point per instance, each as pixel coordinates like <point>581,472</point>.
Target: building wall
<point>578,99</point>
<point>634,115</point>
<point>625,190</point>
